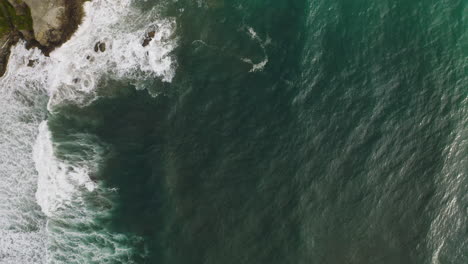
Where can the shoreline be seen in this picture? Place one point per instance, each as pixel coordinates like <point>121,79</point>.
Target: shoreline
<point>45,24</point>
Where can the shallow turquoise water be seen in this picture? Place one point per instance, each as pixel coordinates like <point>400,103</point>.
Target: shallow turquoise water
<point>293,132</point>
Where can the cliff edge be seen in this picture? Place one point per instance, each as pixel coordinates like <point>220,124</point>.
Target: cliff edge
<point>45,24</point>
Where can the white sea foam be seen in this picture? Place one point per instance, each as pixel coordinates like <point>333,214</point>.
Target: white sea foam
<point>72,72</point>
<point>260,65</point>
<point>22,225</point>
<point>73,203</point>
<point>68,199</point>
<point>58,181</point>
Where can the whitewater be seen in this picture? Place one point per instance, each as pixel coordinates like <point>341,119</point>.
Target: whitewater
<point>242,132</point>
<point>49,203</point>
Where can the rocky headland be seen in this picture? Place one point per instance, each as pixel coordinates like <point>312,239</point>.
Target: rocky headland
<point>45,24</point>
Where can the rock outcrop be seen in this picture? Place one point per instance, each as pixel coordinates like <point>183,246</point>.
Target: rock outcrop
<point>45,24</point>
<point>148,38</point>
<point>100,46</point>
<point>22,10</point>
<point>15,23</point>
<point>47,16</point>
<point>54,21</point>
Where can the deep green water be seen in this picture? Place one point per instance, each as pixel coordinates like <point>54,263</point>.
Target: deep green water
<point>349,146</point>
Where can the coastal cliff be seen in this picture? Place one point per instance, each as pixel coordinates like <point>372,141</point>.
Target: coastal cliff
<point>54,21</point>
<point>45,24</point>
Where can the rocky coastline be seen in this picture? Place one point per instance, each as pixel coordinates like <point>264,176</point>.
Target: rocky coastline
<point>44,24</point>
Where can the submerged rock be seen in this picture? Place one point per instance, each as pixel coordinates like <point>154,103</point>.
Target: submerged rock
<point>100,46</point>
<point>90,58</point>
<point>148,38</point>
<point>31,63</point>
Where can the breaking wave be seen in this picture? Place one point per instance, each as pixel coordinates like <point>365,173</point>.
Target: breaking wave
<point>63,228</point>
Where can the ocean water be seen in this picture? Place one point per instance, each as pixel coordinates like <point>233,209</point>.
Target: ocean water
<point>247,131</point>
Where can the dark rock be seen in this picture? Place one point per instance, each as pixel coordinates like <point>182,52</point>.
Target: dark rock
<point>90,58</point>
<point>146,42</point>
<point>34,44</point>
<point>149,36</point>
<point>31,63</point>
<point>28,35</point>
<point>102,47</point>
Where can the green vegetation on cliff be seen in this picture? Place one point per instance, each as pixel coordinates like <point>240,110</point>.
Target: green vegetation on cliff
<point>10,19</point>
